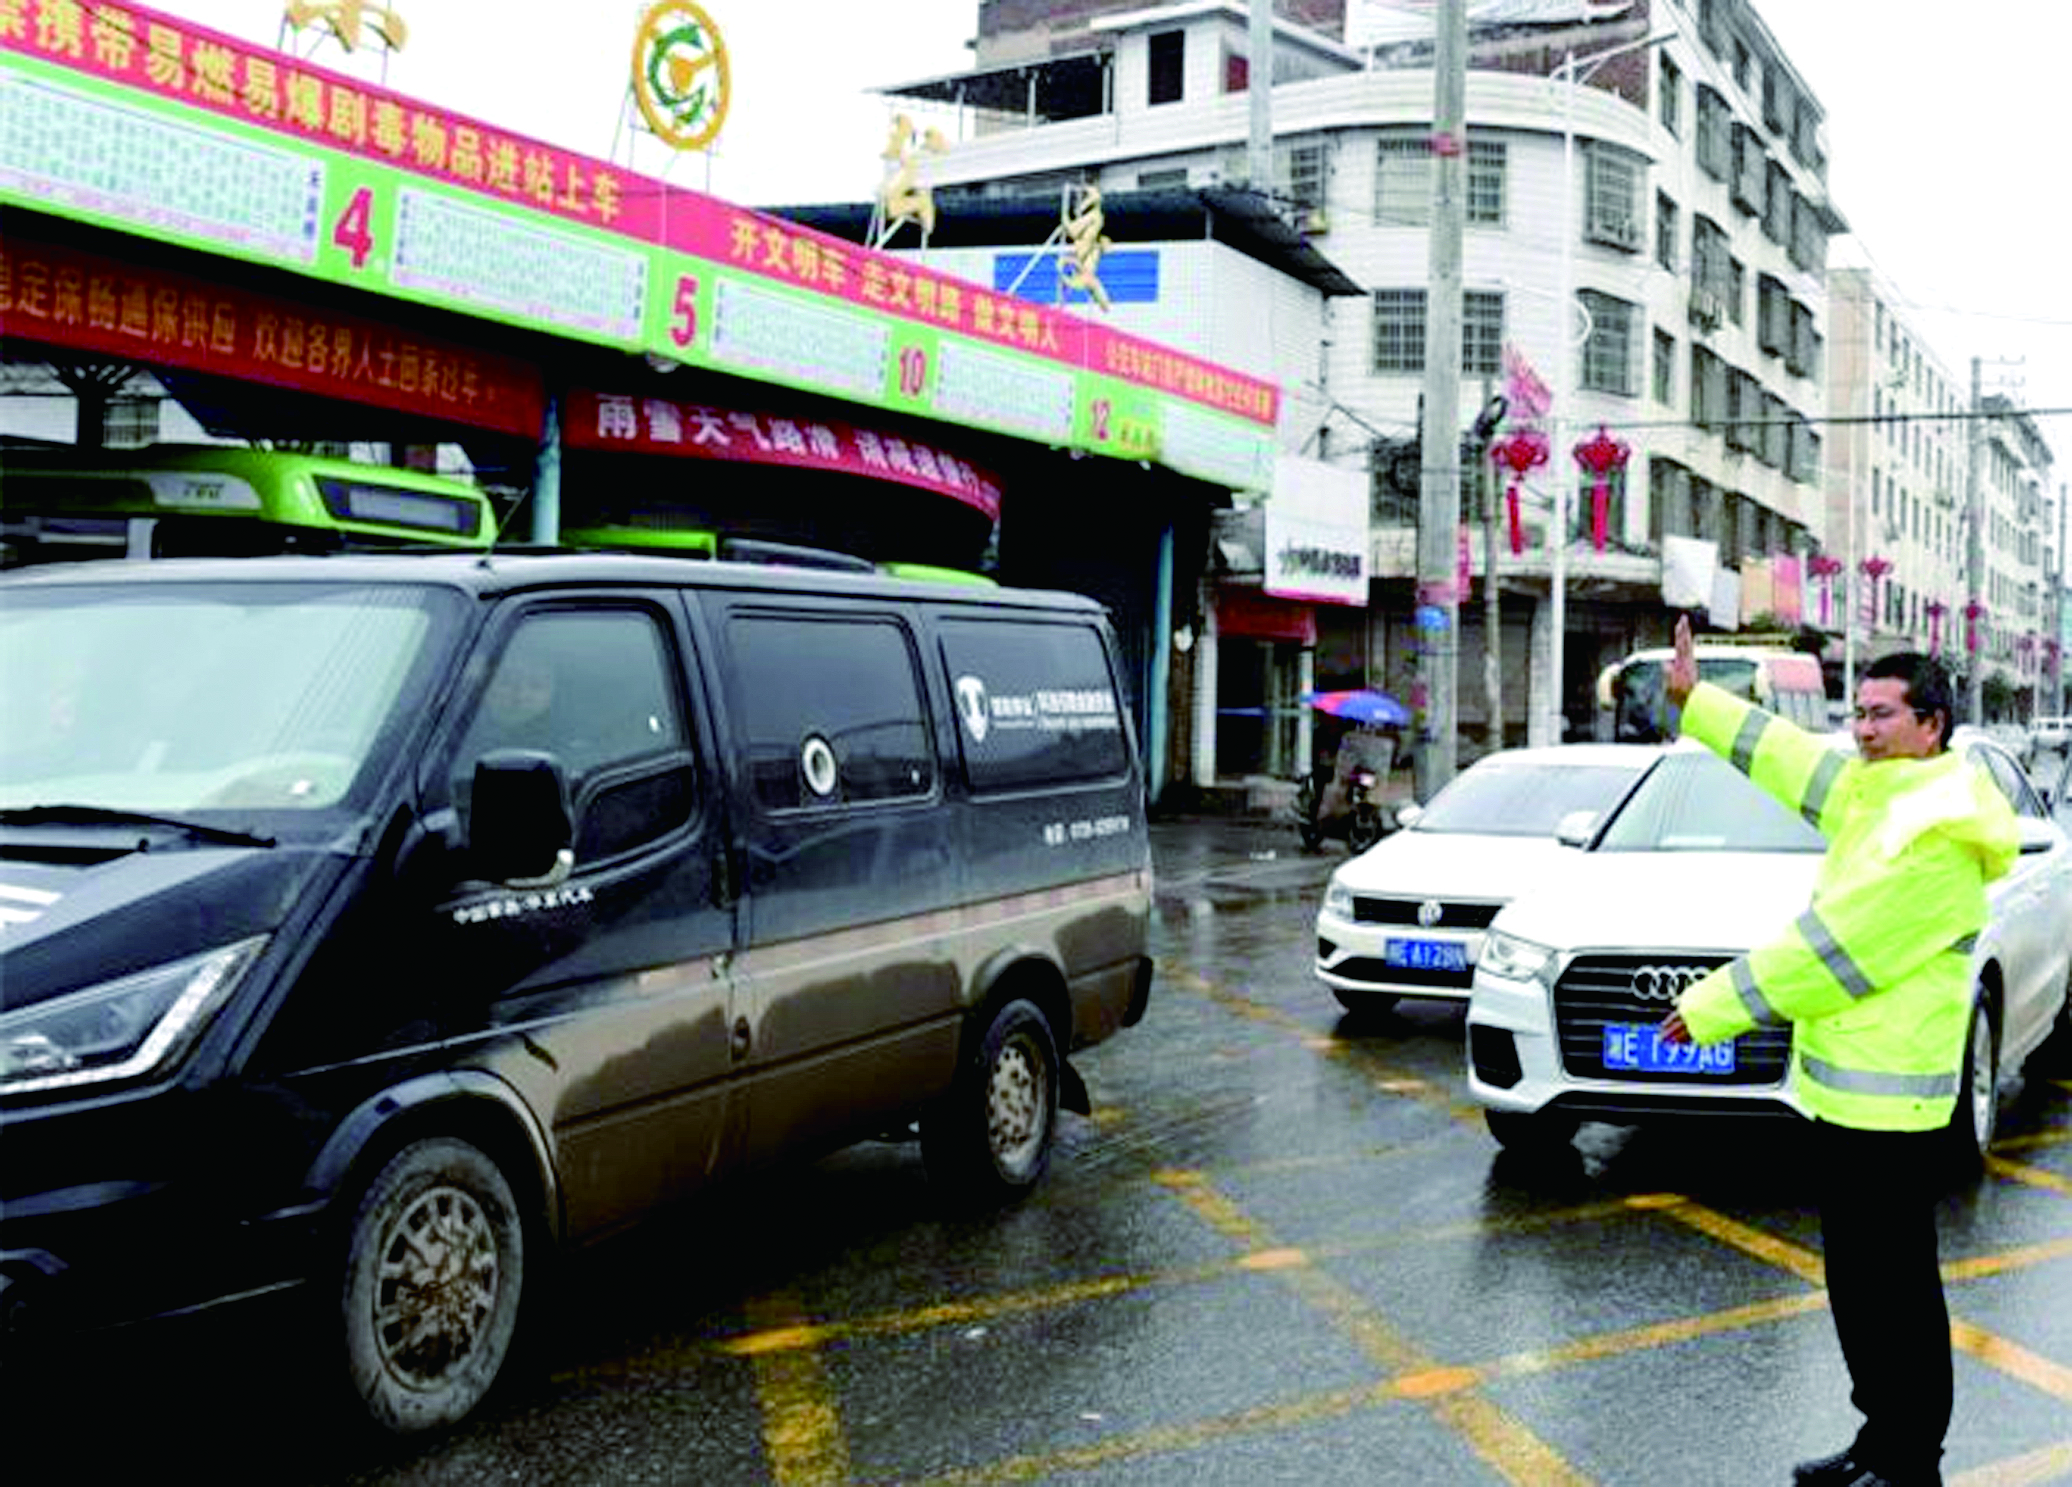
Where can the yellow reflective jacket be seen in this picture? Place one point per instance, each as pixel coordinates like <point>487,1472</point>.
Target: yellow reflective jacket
<point>1876,974</point>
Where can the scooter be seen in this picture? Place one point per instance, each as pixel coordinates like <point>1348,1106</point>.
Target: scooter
<point>1364,820</point>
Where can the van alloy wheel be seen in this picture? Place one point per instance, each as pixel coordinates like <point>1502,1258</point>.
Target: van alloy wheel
<point>434,1266</point>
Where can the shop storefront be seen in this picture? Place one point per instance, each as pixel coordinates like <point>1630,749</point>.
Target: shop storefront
<point>313,256</point>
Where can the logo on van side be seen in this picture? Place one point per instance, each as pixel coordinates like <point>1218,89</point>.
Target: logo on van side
<point>971,707</point>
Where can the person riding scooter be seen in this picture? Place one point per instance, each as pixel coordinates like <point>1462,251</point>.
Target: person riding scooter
<point>1349,804</point>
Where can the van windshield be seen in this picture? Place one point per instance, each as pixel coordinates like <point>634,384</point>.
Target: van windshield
<point>1642,706</point>
<point>179,698</point>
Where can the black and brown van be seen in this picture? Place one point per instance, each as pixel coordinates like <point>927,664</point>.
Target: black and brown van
<point>512,897</point>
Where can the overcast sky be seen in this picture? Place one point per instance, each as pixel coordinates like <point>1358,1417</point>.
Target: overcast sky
<point>1944,135</point>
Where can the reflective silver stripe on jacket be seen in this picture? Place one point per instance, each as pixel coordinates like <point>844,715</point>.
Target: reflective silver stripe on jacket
<point>1832,955</point>
<point>1966,945</point>
<point>1867,1082</point>
<point>1745,738</point>
<point>1825,773</point>
<point>1741,976</point>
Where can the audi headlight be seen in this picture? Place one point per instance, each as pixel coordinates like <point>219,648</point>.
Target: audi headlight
<point>1515,959</point>
<point>1338,899</point>
<point>119,1029</point>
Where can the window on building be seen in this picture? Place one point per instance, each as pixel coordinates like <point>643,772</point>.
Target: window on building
<point>1399,331</point>
<point>1665,368</point>
<point>1168,66</point>
<point>1808,236</point>
<point>1608,351</point>
<point>1666,228</point>
<point>1671,104</point>
<point>1751,167</point>
<point>1161,180</point>
<point>1488,182</point>
<point>1772,315</point>
<point>1709,258</point>
<point>130,423</point>
<point>1612,198</point>
<point>1715,143</point>
<point>1744,410</point>
<point>1403,180</point>
<point>1777,206</point>
<point>1737,289</point>
<point>1708,389</point>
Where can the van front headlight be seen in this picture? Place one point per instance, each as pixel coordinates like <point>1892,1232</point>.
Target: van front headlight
<point>120,1029</point>
<point>1515,959</point>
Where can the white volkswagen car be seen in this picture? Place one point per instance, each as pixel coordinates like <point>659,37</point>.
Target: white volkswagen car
<point>1406,917</point>
<point>1694,867</point>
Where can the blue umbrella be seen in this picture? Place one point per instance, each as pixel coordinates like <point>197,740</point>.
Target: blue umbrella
<point>1361,705</point>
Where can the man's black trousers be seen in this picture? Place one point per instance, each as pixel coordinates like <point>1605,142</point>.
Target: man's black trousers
<point>1878,1199</point>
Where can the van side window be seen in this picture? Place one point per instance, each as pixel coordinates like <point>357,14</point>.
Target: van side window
<point>1035,704</point>
<point>830,711</point>
<point>593,689</point>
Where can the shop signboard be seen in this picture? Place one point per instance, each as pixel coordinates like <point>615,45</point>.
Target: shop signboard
<point>1316,532</point>
<point>684,430</point>
<point>137,120</point>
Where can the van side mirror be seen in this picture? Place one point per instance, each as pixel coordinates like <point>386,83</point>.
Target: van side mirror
<point>521,830</point>
<point>1575,828</point>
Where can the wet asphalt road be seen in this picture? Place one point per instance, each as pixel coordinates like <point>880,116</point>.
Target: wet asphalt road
<point>1283,1249</point>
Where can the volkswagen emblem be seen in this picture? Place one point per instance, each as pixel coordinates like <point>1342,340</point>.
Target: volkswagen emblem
<point>1430,912</point>
<point>1664,983</point>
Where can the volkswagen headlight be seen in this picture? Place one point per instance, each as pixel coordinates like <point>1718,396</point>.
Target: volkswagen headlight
<point>1517,960</point>
<point>120,1029</point>
<point>1338,899</point>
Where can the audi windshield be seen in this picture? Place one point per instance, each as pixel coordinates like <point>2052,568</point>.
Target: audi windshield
<point>1697,802</point>
<point>1526,795</point>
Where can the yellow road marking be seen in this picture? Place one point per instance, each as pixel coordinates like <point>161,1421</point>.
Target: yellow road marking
<point>802,1429</point>
<point>2045,1375</point>
<point>1512,1450</point>
<point>2051,1464</point>
<point>2002,1261</point>
<point>1760,1243</point>
<point>2034,1177</point>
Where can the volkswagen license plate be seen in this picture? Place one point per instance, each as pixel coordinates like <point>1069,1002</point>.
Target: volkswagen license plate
<point>1638,1046</point>
<point>1426,955</point>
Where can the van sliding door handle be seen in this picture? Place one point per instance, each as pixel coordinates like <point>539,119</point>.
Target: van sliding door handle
<point>741,1037</point>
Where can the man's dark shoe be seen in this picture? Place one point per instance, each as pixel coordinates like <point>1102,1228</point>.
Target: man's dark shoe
<point>1838,1470</point>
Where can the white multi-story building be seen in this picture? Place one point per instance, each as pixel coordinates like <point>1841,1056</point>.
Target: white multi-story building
<point>1650,239</point>
<point>1907,440</point>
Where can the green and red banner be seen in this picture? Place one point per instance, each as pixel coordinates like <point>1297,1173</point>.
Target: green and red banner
<point>140,121</point>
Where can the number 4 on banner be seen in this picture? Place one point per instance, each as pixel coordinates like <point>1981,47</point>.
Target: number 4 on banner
<point>353,231</point>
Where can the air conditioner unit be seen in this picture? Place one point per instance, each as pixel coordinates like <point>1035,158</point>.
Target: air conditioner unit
<point>1706,309</point>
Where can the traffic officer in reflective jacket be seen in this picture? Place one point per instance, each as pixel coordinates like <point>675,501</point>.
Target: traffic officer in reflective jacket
<point>1875,978</point>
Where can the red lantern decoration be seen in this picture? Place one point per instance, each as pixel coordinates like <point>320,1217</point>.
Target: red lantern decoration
<point>1974,615</point>
<point>1526,449</point>
<point>1824,568</point>
<point>1936,610</point>
<point>1600,455</point>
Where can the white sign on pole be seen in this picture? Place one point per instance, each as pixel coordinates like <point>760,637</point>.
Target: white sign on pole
<point>1316,532</point>
<point>1689,568</point>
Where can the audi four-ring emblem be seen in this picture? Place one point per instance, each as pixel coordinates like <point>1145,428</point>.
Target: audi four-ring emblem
<point>1664,983</point>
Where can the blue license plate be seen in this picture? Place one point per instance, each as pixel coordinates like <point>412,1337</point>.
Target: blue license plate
<point>1426,955</point>
<point>1638,1046</point>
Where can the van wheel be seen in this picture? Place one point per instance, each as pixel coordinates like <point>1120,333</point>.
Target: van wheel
<point>434,1265</point>
<point>1970,1130</point>
<point>988,1140</point>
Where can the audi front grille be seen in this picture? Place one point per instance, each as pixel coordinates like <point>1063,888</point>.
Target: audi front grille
<point>1600,989</point>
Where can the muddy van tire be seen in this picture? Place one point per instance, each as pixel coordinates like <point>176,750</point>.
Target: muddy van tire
<point>988,1140</point>
<point>434,1268</point>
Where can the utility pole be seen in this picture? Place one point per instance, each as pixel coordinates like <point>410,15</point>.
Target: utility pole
<point>1975,554</point>
<point>1492,602</point>
<point>1259,96</point>
<point>1438,551</point>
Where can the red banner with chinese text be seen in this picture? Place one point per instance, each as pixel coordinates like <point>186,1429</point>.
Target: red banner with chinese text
<point>88,302</point>
<point>639,425</point>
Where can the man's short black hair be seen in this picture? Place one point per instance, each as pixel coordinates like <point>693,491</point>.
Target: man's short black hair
<point>1927,682</point>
